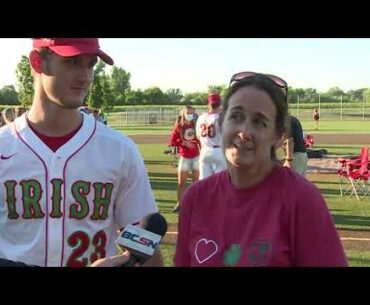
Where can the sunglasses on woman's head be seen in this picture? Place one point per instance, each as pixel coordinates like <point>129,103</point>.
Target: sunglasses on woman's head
<point>244,75</point>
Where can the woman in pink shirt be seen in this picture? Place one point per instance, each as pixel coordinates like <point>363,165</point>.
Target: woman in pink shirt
<point>255,213</point>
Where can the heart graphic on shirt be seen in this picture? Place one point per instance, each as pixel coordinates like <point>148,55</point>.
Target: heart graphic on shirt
<point>205,249</point>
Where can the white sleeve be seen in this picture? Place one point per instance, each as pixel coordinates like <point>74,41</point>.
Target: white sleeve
<point>134,198</point>
<point>197,126</point>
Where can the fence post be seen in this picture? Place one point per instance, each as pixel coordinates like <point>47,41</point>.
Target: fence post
<point>363,105</point>
<point>298,107</point>
<point>341,107</point>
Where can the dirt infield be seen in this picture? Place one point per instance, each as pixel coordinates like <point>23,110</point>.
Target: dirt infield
<point>327,164</point>
<point>318,138</point>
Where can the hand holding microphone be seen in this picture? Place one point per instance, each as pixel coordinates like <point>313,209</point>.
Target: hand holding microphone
<point>141,243</point>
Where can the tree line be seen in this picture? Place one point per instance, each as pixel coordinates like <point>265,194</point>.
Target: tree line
<point>113,88</point>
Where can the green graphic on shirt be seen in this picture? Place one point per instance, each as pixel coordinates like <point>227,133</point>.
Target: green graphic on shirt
<point>232,255</point>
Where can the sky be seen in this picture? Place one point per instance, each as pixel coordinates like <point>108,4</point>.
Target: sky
<point>191,64</point>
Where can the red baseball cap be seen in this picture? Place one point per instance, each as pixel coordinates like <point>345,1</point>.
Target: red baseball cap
<point>214,99</point>
<point>67,47</point>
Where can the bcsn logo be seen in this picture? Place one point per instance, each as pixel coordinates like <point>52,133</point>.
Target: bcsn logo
<point>140,240</point>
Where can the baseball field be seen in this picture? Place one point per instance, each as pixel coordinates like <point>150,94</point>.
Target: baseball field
<point>339,138</point>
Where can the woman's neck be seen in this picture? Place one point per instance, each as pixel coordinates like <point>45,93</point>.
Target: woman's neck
<point>245,177</point>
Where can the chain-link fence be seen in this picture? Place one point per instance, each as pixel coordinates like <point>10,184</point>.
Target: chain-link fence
<point>148,116</point>
<point>329,108</point>
<point>335,109</point>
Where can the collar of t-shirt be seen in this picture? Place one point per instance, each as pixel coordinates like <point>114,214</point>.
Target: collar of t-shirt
<point>55,142</point>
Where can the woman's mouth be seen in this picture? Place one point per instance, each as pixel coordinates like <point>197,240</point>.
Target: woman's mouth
<point>240,146</point>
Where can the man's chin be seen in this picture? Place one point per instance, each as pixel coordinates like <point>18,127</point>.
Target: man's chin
<point>73,104</point>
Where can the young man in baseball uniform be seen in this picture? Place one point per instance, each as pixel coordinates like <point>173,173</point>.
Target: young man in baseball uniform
<point>211,159</point>
<point>67,182</point>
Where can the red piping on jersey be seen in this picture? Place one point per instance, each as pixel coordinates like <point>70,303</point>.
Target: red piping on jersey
<point>46,194</point>
<point>64,189</point>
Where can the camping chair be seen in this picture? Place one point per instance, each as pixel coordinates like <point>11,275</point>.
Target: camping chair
<point>355,172</point>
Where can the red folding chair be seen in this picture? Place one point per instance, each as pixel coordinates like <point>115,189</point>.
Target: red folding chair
<point>308,141</point>
<point>355,172</point>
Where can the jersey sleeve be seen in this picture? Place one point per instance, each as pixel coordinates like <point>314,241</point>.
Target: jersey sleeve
<point>317,243</point>
<point>135,198</point>
<point>182,256</point>
<point>175,139</point>
<point>197,126</point>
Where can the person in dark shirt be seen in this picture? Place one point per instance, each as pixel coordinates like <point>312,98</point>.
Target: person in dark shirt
<point>295,150</point>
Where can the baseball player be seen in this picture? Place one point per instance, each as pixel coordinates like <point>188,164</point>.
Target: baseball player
<point>67,182</point>
<point>211,159</point>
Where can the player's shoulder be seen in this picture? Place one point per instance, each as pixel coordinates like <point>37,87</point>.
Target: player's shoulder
<point>107,133</point>
<point>112,142</point>
<point>202,117</point>
<point>7,131</point>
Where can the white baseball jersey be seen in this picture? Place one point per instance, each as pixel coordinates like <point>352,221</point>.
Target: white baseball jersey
<point>208,130</point>
<point>63,208</point>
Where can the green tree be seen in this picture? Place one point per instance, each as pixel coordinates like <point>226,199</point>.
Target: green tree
<point>97,94</point>
<point>174,96</point>
<point>120,84</point>
<point>311,95</point>
<point>195,98</point>
<point>335,92</point>
<point>25,82</point>
<point>107,93</point>
<point>356,95</point>
<point>220,89</point>
<point>366,94</point>
<point>8,95</point>
<point>153,95</point>
<point>134,97</point>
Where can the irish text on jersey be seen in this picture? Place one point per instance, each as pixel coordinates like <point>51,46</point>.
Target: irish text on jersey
<point>29,206</point>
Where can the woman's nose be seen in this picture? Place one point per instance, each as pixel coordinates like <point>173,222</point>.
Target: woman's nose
<point>245,132</point>
<point>244,135</point>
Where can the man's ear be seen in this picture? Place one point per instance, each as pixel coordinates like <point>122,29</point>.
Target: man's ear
<point>35,61</point>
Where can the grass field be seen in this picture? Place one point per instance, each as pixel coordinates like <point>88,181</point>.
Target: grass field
<point>340,127</point>
<point>325,127</point>
<point>147,130</point>
<point>348,213</point>
<point>345,149</point>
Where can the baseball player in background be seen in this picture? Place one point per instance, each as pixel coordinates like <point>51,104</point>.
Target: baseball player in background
<point>211,159</point>
<point>67,182</point>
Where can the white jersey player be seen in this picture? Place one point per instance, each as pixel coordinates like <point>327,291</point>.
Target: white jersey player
<point>211,159</point>
<point>67,182</point>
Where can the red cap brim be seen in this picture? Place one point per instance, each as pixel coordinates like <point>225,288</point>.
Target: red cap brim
<point>69,51</point>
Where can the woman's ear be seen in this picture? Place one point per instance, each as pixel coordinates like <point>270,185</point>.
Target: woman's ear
<point>35,61</point>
